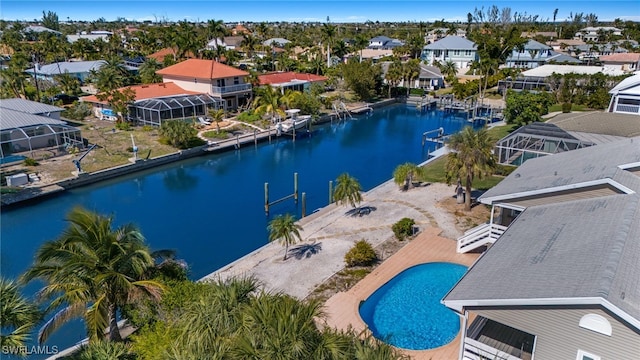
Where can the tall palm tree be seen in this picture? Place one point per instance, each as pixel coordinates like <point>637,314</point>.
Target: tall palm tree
<point>471,157</point>
<point>92,270</point>
<point>361,43</point>
<point>394,75</point>
<point>18,316</point>
<point>411,72</point>
<point>328,33</point>
<point>450,70</point>
<point>68,83</point>
<point>347,190</point>
<point>284,229</point>
<point>249,44</point>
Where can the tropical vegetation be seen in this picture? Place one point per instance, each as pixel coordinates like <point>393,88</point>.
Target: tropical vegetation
<point>347,190</point>
<point>361,254</point>
<point>471,157</point>
<point>283,228</point>
<point>403,228</point>
<point>18,316</point>
<point>404,175</point>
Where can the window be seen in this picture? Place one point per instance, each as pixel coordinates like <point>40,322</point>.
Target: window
<point>583,355</point>
<point>236,80</point>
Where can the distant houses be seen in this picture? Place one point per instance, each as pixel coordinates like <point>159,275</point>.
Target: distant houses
<point>629,62</point>
<point>460,51</point>
<point>291,80</point>
<point>430,77</point>
<point>384,43</point>
<point>534,54</point>
<point>78,69</point>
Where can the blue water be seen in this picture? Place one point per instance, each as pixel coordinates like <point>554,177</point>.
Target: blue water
<point>406,311</point>
<point>11,158</point>
<point>211,208</point>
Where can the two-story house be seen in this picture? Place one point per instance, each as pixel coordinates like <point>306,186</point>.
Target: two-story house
<point>534,54</point>
<point>629,62</point>
<point>439,33</point>
<point>210,77</point>
<point>561,281</point>
<point>384,43</point>
<point>451,48</point>
<point>597,33</point>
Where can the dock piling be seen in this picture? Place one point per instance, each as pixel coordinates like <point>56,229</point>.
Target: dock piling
<point>304,204</point>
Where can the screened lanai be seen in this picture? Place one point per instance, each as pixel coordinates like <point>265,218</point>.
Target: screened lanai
<point>154,111</point>
<point>23,135</point>
<point>535,140</point>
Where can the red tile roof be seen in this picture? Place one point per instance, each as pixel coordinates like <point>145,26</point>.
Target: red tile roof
<point>622,57</point>
<point>160,54</point>
<point>148,91</point>
<point>283,77</point>
<point>201,69</point>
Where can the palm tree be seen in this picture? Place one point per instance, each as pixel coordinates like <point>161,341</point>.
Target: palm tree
<point>450,70</point>
<point>217,116</point>
<point>471,157</point>
<point>328,32</point>
<point>404,174</point>
<point>394,75</point>
<point>68,83</point>
<point>340,49</point>
<point>347,190</point>
<point>360,44</point>
<point>411,72</point>
<point>110,76</point>
<point>268,101</point>
<point>92,270</point>
<point>148,70</point>
<point>18,316</point>
<point>284,229</point>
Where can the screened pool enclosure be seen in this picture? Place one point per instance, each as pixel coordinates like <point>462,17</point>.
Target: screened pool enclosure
<point>535,140</point>
<point>154,111</point>
<point>37,140</point>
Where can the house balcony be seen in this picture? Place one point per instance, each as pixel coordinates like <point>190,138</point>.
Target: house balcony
<point>231,89</point>
<point>490,340</point>
<point>481,235</point>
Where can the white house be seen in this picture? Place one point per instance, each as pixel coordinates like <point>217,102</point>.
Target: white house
<point>452,48</point>
<point>592,33</point>
<point>534,54</point>
<point>625,97</point>
<point>626,61</point>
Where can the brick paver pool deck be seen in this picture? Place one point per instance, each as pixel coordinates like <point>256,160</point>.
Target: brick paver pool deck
<point>428,246</point>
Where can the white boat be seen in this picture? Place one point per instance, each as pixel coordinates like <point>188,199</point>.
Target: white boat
<point>294,121</point>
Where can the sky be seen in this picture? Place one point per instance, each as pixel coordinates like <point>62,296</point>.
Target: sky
<point>308,10</point>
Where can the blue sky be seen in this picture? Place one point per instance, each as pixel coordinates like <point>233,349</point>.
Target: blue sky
<point>306,10</point>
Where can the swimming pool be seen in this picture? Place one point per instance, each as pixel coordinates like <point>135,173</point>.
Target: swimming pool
<point>406,311</point>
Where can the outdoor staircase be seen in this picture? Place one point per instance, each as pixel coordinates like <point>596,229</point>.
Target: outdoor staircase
<point>479,236</point>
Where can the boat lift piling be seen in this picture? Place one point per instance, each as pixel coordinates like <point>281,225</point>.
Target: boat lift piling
<point>268,204</point>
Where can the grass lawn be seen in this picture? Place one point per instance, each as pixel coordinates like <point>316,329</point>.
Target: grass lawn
<point>434,172</point>
<point>498,132</point>
<point>574,107</point>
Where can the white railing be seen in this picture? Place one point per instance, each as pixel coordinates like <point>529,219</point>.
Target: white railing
<point>475,350</point>
<point>478,236</point>
<point>230,89</point>
<point>634,109</point>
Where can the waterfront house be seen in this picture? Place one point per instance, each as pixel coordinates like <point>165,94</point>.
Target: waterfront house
<point>534,54</point>
<point>458,50</point>
<point>210,77</point>
<point>290,80</point>
<point>625,97</point>
<point>28,126</point>
<point>430,77</point>
<point>154,103</point>
<point>227,42</point>
<point>561,280</point>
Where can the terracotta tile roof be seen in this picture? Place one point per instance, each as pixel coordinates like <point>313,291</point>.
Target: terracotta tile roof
<point>239,29</point>
<point>284,77</point>
<point>148,91</point>
<point>160,54</point>
<point>622,57</point>
<point>201,69</point>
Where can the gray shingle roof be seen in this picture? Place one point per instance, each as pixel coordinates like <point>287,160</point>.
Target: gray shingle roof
<point>572,167</point>
<point>27,106</point>
<point>562,58</point>
<point>12,119</point>
<point>583,249</point>
<point>452,43</point>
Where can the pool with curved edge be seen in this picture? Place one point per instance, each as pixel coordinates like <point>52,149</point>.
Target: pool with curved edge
<point>406,311</point>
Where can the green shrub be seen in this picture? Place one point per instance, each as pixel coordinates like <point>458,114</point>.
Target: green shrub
<point>566,107</point>
<point>249,116</point>
<point>180,134</point>
<point>30,162</point>
<point>123,125</point>
<point>77,111</point>
<point>403,228</point>
<point>504,170</point>
<point>418,92</point>
<point>222,134</point>
<point>147,128</point>
<point>361,254</point>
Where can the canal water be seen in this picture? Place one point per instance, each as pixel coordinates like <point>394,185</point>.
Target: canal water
<point>210,209</point>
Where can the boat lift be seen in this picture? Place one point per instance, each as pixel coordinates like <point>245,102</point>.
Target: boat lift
<point>439,138</point>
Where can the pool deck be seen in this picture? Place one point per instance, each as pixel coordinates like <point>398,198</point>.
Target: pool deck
<point>342,308</point>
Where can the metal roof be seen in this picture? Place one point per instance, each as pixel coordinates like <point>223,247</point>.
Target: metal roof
<point>452,43</point>
<point>71,67</point>
<point>598,122</point>
<point>12,119</point>
<point>27,106</point>
<point>628,85</point>
<point>547,70</point>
